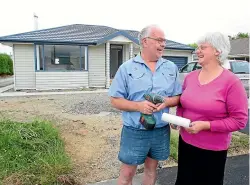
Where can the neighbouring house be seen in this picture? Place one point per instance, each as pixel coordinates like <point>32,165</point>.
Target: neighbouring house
<point>76,56</point>
<point>239,49</point>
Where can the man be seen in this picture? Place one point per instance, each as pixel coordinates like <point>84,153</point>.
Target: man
<point>147,73</point>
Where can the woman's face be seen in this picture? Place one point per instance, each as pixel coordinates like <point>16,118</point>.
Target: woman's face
<point>206,53</point>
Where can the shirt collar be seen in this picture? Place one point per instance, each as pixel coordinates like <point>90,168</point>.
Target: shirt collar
<point>139,59</point>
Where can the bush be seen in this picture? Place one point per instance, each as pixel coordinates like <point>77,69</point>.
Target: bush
<point>6,65</point>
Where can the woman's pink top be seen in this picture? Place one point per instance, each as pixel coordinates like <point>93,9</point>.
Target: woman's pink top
<point>223,102</point>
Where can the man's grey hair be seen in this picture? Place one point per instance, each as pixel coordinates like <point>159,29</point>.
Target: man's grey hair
<point>220,42</point>
<point>145,32</point>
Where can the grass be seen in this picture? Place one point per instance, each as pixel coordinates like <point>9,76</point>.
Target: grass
<point>239,144</point>
<point>31,153</point>
<point>174,139</point>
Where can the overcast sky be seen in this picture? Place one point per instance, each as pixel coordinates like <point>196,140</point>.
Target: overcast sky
<point>182,20</point>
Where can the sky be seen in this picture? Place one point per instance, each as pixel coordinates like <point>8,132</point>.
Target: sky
<point>183,21</point>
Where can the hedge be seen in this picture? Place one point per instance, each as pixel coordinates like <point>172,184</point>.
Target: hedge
<point>6,65</point>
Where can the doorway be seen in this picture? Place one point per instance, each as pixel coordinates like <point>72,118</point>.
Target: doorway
<point>116,55</point>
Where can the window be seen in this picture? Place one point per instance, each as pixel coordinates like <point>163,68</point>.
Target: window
<point>188,68</point>
<point>197,66</point>
<point>61,58</point>
<point>240,67</point>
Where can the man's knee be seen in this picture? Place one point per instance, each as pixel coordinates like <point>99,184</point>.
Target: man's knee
<point>127,173</point>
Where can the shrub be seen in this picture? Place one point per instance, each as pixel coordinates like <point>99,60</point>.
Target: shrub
<point>6,65</point>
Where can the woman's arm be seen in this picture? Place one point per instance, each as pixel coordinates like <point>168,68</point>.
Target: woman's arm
<point>237,106</point>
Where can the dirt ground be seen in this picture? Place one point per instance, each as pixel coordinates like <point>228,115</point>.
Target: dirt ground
<point>92,141</point>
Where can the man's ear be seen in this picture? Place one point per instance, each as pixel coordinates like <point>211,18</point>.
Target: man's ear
<point>144,41</point>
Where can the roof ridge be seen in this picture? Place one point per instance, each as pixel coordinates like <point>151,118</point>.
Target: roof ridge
<point>95,25</point>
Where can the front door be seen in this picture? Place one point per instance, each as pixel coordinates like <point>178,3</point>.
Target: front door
<point>115,58</point>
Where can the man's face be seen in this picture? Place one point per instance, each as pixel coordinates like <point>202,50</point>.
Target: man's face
<point>155,43</point>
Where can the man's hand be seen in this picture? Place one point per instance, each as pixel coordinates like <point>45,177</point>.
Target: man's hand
<point>198,126</point>
<point>160,106</point>
<point>146,107</point>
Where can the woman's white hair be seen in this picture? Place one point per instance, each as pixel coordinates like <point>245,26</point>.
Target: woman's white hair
<point>220,42</point>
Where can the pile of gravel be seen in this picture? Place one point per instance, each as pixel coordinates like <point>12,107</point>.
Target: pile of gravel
<point>87,104</point>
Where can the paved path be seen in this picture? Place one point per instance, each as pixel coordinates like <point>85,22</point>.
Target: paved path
<point>6,88</point>
<point>6,81</point>
<point>16,94</point>
<point>236,173</point>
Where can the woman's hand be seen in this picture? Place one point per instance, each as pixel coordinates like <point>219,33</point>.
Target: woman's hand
<point>198,126</point>
<point>175,127</point>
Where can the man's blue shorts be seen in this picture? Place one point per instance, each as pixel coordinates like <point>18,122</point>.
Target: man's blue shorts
<point>136,145</point>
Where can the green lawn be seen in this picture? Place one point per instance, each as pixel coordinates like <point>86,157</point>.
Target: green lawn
<point>31,153</point>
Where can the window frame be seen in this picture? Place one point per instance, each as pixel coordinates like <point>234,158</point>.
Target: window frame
<point>81,50</point>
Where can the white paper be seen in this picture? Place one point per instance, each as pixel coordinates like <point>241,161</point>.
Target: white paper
<point>176,120</point>
<point>57,61</point>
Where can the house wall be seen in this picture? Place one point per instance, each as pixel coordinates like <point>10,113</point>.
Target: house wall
<point>27,78</point>
<point>61,80</point>
<point>24,66</point>
<point>97,66</point>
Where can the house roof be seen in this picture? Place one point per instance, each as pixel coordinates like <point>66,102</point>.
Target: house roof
<point>239,46</point>
<point>81,34</point>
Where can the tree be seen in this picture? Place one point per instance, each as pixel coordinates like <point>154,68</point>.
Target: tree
<point>194,45</point>
<point>240,35</point>
<point>6,65</point>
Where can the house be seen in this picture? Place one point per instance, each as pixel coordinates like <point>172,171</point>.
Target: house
<point>77,55</point>
<point>239,49</point>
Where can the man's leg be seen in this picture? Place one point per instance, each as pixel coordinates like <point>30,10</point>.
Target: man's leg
<point>134,147</point>
<point>150,166</point>
<point>127,173</point>
<point>159,151</point>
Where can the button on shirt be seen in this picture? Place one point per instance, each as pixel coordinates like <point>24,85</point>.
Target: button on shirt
<point>134,78</point>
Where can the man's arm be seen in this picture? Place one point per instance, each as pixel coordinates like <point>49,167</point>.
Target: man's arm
<point>172,101</point>
<point>125,105</point>
<point>145,107</point>
<point>175,98</point>
<point>169,102</point>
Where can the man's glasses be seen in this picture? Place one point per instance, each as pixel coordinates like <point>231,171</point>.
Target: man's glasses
<point>160,40</point>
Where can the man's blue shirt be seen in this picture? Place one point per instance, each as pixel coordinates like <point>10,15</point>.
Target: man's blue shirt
<point>133,79</point>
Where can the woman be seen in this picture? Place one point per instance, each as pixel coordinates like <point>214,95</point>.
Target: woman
<point>215,100</point>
